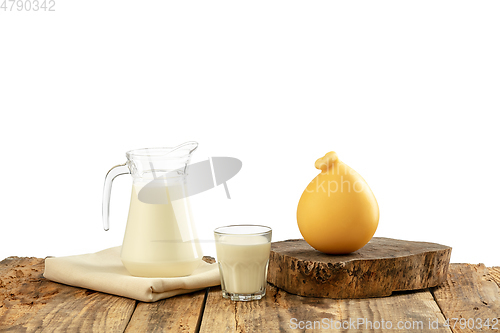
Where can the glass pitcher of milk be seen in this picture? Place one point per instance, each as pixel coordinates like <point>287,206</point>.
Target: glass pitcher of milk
<point>160,238</point>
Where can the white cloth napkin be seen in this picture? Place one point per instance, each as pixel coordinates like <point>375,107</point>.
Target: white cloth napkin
<point>104,271</point>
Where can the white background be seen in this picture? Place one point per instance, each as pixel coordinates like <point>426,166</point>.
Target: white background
<point>406,92</point>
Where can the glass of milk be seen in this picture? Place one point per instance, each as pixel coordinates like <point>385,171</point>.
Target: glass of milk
<point>243,257</point>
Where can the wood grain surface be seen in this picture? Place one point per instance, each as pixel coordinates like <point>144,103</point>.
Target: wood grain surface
<point>176,314</point>
<point>495,274</point>
<point>382,266</point>
<point>30,303</point>
<point>280,311</point>
<point>472,295</point>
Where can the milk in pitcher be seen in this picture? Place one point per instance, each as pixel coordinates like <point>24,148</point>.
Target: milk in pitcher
<point>159,240</point>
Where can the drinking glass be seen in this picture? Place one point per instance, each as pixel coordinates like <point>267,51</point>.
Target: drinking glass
<point>243,257</point>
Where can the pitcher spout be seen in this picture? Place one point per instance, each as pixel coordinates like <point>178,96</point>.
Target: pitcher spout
<point>152,163</point>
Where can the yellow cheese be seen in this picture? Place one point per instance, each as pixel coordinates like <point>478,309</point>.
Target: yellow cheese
<point>337,213</point>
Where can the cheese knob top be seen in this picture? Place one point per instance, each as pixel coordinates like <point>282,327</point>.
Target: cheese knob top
<point>327,162</point>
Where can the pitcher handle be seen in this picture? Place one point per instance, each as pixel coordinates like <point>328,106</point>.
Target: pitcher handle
<point>115,171</point>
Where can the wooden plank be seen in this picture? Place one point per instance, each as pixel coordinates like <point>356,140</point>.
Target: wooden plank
<point>30,303</point>
<point>280,311</point>
<point>414,311</point>
<point>469,293</point>
<point>176,314</point>
<point>219,315</point>
<point>382,266</point>
<point>180,313</point>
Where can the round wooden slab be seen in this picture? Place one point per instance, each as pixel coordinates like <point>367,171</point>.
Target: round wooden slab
<point>382,266</point>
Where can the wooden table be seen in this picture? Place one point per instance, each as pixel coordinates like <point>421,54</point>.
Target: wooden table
<point>30,303</point>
